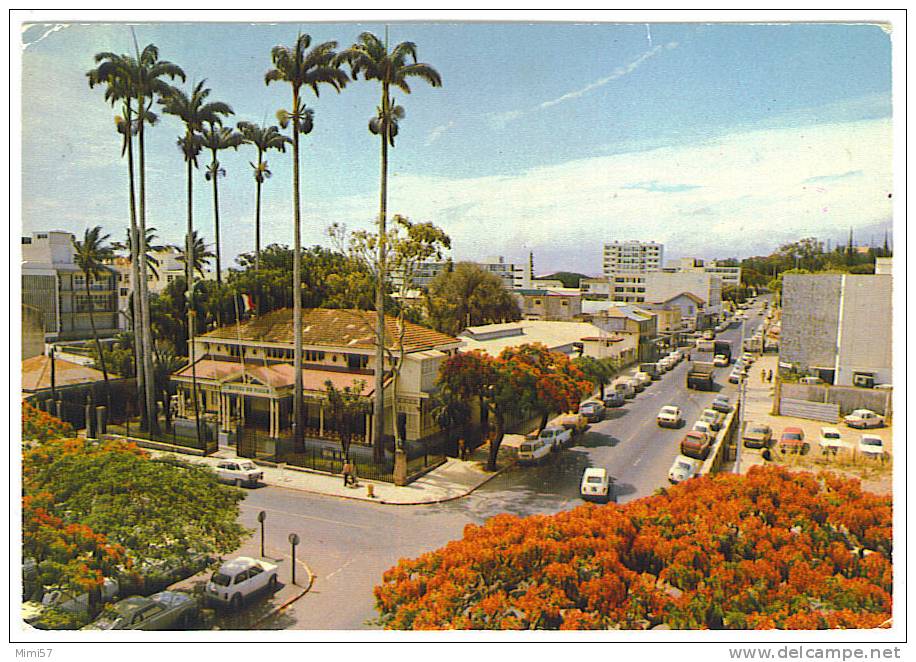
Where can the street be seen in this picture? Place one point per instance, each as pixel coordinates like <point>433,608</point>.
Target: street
<point>349,544</point>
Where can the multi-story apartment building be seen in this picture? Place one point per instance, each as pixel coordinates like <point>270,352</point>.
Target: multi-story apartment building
<point>548,305</point>
<point>167,269</point>
<point>838,326</point>
<point>730,275</point>
<point>514,275</point>
<point>632,257</point>
<point>55,285</point>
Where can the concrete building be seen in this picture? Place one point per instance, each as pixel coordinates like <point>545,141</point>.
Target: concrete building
<point>883,266</point>
<point>632,257</point>
<point>549,305</point>
<point>52,283</point>
<point>245,374</point>
<point>663,286</point>
<point>730,275</point>
<point>838,327</point>
<point>514,275</point>
<point>570,338</point>
<point>168,269</point>
<point>631,321</point>
<point>596,288</point>
<point>33,332</point>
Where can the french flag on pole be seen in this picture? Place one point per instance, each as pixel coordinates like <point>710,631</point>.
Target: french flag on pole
<point>247,302</point>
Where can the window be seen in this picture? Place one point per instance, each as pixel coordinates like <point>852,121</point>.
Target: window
<point>314,356</point>
<point>242,576</point>
<point>235,350</point>
<point>537,302</point>
<point>169,278</point>
<point>255,571</point>
<point>357,361</point>
<point>124,291</point>
<point>565,303</point>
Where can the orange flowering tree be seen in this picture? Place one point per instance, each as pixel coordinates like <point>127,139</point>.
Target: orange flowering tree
<point>40,425</point>
<point>771,549</point>
<point>529,378</point>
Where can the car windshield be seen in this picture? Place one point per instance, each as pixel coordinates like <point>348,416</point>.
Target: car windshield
<point>871,441</point>
<point>760,429</point>
<point>220,579</point>
<point>831,435</point>
<point>669,410</point>
<point>593,479</point>
<point>792,436</point>
<point>683,466</point>
<point>526,448</point>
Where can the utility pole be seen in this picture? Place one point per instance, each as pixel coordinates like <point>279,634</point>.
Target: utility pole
<point>742,389</point>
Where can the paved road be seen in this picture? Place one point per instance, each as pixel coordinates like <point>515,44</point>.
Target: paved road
<point>349,544</point>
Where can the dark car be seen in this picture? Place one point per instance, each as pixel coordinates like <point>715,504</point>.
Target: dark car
<point>614,400</point>
<point>168,610</point>
<point>695,444</point>
<point>721,404</point>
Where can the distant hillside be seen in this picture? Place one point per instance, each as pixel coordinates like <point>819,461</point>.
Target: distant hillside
<point>568,278</point>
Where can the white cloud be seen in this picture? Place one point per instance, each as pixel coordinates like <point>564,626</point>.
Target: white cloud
<point>437,132</point>
<point>737,194</point>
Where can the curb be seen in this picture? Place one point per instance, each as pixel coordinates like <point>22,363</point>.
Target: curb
<point>293,599</point>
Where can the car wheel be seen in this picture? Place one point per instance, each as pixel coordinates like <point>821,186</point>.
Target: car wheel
<point>236,601</point>
<point>272,584</point>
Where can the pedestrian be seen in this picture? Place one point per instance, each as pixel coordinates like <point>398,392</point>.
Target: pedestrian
<point>461,449</point>
<point>352,476</point>
<point>347,471</point>
<point>763,374</point>
<point>770,376</point>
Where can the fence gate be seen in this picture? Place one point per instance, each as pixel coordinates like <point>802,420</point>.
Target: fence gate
<point>828,412</point>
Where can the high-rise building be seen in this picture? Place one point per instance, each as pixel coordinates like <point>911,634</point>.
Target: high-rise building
<point>629,257</point>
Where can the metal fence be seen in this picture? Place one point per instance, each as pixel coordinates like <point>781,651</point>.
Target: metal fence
<point>168,435</point>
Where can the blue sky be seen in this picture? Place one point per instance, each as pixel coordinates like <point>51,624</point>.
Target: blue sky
<point>716,139</point>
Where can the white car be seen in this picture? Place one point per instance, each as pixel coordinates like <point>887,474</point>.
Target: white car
<point>532,451</point>
<point>596,485</point>
<point>871,445</point>
<point>747,359</point>
<point>683,469</point>
<point>239,579</point>
<point>669,416</point>
<point>556,436</point>
<point>643,378</point>
<point>831,441</point>
<point>239,472</point>
<point>864,418</point>
<point>703,426</point>
<point>720,360</point>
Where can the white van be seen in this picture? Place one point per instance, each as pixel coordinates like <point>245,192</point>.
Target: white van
<point>622,386</point>
<point>596,485</point>
<point>531,451</point>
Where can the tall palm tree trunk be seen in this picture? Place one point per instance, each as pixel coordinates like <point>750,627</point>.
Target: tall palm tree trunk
<point>257,237</point>
<point>136,318</point>
<point>378,413</point>
<point>189,289</point>
<point>297,285</point>
<point>146,348</point>
<point>98,344</point>
<point>219,272</point>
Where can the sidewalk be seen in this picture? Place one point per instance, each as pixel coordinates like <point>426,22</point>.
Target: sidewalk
<point>257,609</point>
<point>451,480</point>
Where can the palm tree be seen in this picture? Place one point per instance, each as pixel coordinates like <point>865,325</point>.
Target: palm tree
<point>217,138</point>
<point>200,254</point>
<point>90,256</point>
<point>371,58</point>
<point>152,262</point>
<point>167,363</point>
<point>264,138</point>
<point>117,73</point>
<point>193,111</point>
<point>300,67</point>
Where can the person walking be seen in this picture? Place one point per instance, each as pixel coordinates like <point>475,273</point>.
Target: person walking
<point>770,376</point>
<point>462,453</point>
<point>763,374</point>
<point>347,471</point>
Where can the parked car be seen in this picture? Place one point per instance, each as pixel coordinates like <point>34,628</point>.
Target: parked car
<point>669,416</point>
<point>831,441</point>
<point>168,610</point>
<point>643,378</point>
<point>695,445</point>
<point>556,436</point>
<point>675,355</point>
<point>239,579</point>
<point>622,386</point>
<point>720,360</point>
<point>871,445</point>
<point>810,379</point>
<point>709,334</point>
<point>637,385</point>
<point>747,359</point>
<point>593,410</point>
<point>703,426</point>
<point>722,404</point>
<point>757,435</point>
<point>532,451</point>
<point>736,374</point>
<point>73,602</point>
<point>665,364</point>
<point>575,423</point>
<point>596,485</point>
<point>684,468</point>
<point>613,399</point>
<point>239,472</point>
<point>793,441</point>
<point>864,418</point>
<point>712,417</point>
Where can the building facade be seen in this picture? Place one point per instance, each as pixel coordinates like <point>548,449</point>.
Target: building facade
<point>729,275</point>
<point>245,374</point>
<point>548,305</point>
<point>57,288</point>
<point>838,326</point>
<point>663,286</point>
<point>514,275</point>
<point>632,257</point>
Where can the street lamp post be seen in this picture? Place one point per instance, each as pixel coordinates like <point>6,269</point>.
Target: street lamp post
<point>293,541</point>
<point>262,516</point>
<point>742,389</point>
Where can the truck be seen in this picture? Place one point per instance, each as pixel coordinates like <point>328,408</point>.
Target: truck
<point>701,371</point>
<point>713,347</point>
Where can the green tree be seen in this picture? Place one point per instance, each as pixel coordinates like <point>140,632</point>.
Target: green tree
<point>264,139</point>
<point>200,255</point>
<point>301,67</point>
<point>371,58</point>
<point>449,412</point>
<point>90,256</point>
<point>217,138</point>
<point>467,296</point>
<point>167,363</point>
<point>345,405</point>
<point>596,371</point>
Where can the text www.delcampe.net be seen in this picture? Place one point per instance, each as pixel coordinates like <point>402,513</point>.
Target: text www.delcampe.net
<point>841,653</point>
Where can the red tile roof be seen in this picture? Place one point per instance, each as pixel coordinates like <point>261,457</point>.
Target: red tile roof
<point>36,373</point>
<point>279,375</point>
<point>330,328</point>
